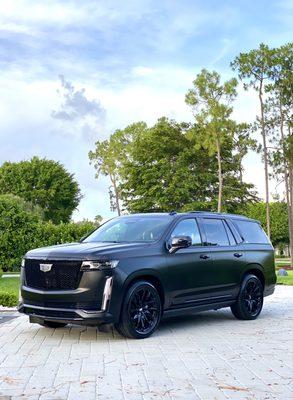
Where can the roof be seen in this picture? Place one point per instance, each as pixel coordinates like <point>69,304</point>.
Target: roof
<point>199,213</point>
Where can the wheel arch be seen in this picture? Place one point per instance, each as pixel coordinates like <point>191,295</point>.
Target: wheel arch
<point>257,270</point>
<point>149,276</point>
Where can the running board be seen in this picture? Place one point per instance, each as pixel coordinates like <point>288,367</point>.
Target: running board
<point>198,308</point>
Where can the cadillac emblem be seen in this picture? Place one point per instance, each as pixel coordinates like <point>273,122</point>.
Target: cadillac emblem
<point>46,267</point>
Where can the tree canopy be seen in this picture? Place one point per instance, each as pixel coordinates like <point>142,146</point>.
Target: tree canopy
<point>165,170</point>
<point>43,183</point>
<point>279,219</point>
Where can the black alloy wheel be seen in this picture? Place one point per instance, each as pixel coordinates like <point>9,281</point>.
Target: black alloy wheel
<point>141,312</point>
<point>250,300</point>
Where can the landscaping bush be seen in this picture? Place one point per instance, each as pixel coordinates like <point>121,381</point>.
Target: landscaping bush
<point>8,299</point>
<point>22,228</point>
<point>18,220</point>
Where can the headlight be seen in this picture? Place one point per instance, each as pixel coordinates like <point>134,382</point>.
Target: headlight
<point>98,265</point>
<point>23,263</point>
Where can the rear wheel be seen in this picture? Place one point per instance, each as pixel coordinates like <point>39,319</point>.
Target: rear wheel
<point>250,299</point>
<point>141,311</point>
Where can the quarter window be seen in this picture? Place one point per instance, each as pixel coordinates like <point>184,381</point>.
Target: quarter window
<point>252,232</point>
<point>215,232</point>
<point>188,227</point>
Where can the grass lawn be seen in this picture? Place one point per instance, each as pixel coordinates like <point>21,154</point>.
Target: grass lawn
<point>9,285</point>
<point>286,280</point>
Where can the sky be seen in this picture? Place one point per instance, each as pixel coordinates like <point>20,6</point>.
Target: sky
<point>122,62</point>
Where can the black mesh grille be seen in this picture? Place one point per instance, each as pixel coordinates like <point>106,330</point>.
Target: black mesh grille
<point>64,275</point>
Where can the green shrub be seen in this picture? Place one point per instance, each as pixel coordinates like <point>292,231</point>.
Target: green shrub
<point>8,299</point>
<point>22,228</point>
<point>18,221</point>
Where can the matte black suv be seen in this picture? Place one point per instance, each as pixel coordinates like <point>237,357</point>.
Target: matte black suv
<point>134,269</point>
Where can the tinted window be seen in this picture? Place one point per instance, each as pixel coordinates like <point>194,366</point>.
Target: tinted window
<point>230,234</point>
<point>188,227</point>
<point>215,232</point>
<point>131,229</point>
<point>252,232</point>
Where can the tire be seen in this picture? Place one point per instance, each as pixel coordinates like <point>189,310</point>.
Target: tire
<point>250,299</point>
<point>53,324</point>
<point>141,311</point>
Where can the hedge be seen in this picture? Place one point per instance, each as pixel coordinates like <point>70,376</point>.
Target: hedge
<point>22,229</point>
<point>8,299</point>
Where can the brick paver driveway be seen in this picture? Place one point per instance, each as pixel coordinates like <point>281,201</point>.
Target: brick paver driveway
<point>204,356</point>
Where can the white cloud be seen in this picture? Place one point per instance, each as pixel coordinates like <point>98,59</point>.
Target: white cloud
<point>135,77</point>
<point>27,127</point>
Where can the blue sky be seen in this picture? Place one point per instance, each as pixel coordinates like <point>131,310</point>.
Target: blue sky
<point>135,60</point>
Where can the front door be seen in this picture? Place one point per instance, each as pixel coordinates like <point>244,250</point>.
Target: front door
<point>186,269</point>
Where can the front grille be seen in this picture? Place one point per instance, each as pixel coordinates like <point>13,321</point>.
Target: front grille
<point>63,275</point>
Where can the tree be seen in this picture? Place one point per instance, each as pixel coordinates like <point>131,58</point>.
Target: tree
<point>210,101</point>
<point>44,183</point>
<point>165,171</point>
<point>108,156</point>
<point>279,108</point>
<point>255,68</point>
<point>98,220</point>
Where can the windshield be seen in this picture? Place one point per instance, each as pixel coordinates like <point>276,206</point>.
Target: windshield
<point>131,229</point>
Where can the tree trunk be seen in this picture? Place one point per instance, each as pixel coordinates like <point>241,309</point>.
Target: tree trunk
<point>290,211</point>
<point>116,194</point>
<point>265,156</point>
<point>220,176</point>
<point>288,184</point>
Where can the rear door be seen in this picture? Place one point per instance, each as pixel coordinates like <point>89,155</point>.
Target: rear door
<point>227,255</point>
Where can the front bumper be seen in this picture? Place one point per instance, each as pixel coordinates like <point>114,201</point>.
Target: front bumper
<point>66,315</point>
<point>83,306</point>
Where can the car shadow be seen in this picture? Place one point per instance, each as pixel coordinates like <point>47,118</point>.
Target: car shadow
<point>195,319</point>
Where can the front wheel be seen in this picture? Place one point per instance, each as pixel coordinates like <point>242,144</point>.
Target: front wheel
<point>250,299</point>
<point>141,311</point>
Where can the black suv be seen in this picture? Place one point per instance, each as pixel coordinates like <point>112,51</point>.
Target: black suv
<point>134,269</point>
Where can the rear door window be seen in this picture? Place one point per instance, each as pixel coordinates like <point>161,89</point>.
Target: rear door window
<point>215,231</point>
<point>251,232</point>
<point>230,234</point>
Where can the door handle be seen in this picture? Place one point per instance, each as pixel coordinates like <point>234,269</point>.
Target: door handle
<point>204,256</point>
<point>238,255</point>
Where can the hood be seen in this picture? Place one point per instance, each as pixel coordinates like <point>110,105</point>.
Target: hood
<point>84,250</point>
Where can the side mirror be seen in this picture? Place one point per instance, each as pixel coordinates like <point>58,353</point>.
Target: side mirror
<point>180,242</point>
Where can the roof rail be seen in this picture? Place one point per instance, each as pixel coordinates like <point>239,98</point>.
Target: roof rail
<point>172,212</point>
<point>217,213</point>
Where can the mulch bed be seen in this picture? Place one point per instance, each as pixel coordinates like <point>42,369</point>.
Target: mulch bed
<point>287,267</point>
